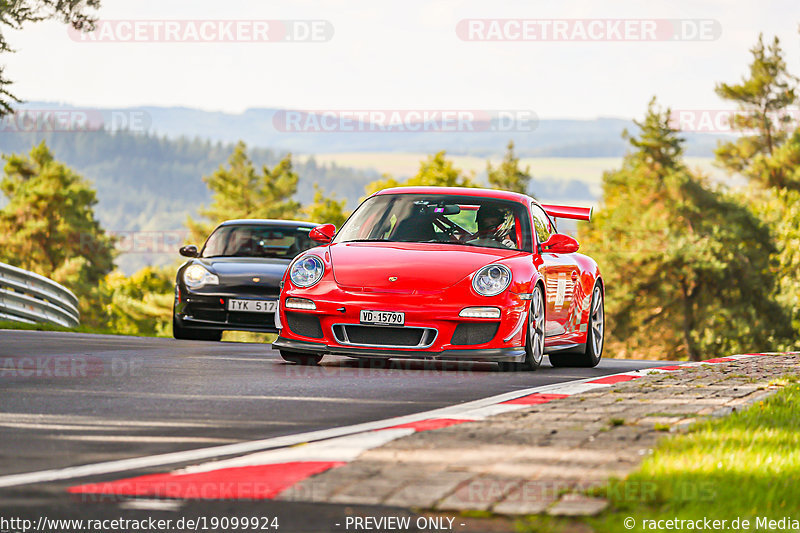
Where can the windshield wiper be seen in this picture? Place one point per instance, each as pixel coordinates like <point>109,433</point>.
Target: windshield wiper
<point>416,242</point>
<point>233,255</point>
<point>450,242</point>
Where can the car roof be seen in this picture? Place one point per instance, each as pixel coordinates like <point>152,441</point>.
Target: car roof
<point>461,191</point>
<point>269,221</point>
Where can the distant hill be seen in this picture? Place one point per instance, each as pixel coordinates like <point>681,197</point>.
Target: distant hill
<point>599,137</point>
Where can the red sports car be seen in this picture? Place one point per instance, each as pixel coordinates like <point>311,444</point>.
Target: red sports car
<point>445,274</point>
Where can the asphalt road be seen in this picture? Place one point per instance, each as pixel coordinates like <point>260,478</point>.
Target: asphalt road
<point>74,399</point>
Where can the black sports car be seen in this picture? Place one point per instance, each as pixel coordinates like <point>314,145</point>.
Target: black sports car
<point>233,283</point>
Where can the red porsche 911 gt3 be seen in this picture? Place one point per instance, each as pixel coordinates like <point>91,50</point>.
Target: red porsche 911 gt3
<point>446,274</point>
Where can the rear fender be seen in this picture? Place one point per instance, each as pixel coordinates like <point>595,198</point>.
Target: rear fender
<point>589,275</point>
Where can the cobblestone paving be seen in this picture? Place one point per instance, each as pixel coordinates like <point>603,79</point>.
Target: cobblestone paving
<point>541,459</point>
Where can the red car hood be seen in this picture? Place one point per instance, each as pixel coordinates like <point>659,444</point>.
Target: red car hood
<point>421,267</point>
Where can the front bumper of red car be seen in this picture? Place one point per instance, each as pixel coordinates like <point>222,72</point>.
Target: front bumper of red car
<point>432,329</point>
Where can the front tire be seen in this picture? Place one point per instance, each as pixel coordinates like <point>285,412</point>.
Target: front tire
<point>534,343</point>
<point>591,354</point>
<point>182,333</point>
<point>303,359</point>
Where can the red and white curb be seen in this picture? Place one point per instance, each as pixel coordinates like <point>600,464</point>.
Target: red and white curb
<point>268,473</point>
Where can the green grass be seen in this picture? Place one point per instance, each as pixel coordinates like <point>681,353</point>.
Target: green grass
<point>784,380</point>
<point>745,465</point>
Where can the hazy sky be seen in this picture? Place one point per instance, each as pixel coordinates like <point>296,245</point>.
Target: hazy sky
<point>401,55</point>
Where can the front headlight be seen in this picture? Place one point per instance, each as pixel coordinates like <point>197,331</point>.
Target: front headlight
<point>307,271</point>
<point>197,276</point>
<point>491,280</point>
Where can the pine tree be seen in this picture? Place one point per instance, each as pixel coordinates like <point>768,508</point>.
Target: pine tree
<point>762,100</point>
<point>49,223</point>
<point>508,175</point>
<point>770,157</point>
<point>238,191</point>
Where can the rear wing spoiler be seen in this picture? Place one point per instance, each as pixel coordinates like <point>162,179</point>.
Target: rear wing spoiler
<point>568,211</point>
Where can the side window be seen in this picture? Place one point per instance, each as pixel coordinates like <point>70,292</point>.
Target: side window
<point>542,224</point>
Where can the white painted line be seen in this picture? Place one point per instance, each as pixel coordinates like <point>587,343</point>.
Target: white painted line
<point>142,438</point>
<point>98,422</point>
<point>577,388</point>
<point>174,396</point>
<point>56,427</point>
<point>152,505</point>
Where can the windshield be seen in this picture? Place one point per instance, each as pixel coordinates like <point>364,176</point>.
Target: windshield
<point>444,219</point>
<point>252,240</point>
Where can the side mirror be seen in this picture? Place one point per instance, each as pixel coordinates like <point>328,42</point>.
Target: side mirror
<point>189,251</point>
<point>559,243</point>
<point>323,234</point>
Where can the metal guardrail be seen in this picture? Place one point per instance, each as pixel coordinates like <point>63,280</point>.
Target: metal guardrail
<point>31,298</point>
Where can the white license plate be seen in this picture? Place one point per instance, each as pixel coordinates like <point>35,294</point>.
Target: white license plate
<point>382,317</point>
<point>253,306</point>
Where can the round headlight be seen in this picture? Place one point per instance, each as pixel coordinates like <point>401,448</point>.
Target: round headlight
<point>307,271</point>
<point>491,280</point>
<point>196,276</point>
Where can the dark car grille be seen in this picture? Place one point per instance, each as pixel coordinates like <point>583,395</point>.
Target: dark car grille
<point>303,324</point>
<point>205,314</point>
<point>233,318</point>
<point>251,319</point>
<point>265,291</point>
<point>474,333</point>
<point>383,336</point>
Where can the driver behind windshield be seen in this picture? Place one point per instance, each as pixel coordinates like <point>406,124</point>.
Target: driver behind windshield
<point>494,227</point>
<point>417,227</point>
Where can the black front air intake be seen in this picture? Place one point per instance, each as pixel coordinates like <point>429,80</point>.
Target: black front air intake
<point>304,324</point>
<point>468,333</point>
<point>384,336</point>
<point>251,319</point>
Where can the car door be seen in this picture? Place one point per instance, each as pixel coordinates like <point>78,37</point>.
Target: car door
<point>560,273</point>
